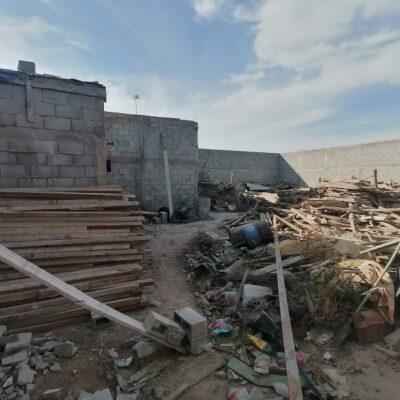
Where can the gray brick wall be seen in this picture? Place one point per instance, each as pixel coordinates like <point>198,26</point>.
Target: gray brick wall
<point>238,166</point>
<point>137,161</point>
<point>58,147</point>
<point>337,163</point>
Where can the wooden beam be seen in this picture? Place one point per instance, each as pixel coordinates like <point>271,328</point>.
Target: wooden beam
<point>168,182</point>
<point>292,368</point>
<point>82,299</point>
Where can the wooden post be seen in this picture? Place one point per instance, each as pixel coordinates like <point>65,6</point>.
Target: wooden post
<point>168,182</point>
<point>292,368</point>
<point>376,178</point>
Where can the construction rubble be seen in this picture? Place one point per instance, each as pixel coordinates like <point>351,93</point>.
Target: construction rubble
<point>281,287</point>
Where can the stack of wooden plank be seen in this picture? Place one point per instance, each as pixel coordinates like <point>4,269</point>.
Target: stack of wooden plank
<point>90,237</point>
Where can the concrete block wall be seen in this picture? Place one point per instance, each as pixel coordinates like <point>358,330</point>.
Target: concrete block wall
<point>135,152</point>
<point>61,142</point>
<point>337,163</point>
<point>240,166</point>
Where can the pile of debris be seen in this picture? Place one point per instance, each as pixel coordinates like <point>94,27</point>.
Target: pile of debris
<point>89,237</point>
<point>334,239</point>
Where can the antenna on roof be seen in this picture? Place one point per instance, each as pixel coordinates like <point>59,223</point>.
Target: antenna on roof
<point>136,98</point>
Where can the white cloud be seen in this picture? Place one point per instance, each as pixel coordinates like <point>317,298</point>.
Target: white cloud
<point>78,44</point>
<point>207,8</point>
<point>51,4</point>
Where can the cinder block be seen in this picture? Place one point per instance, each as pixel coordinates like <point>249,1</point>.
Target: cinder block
<point>55,97</point>
<point>39,182</point>
<point>8,182</point>
<point>41,158</point>
<point>82,126</point>
<point>87,160</point>
<point>12,106</point>
<point>89,114</point>
<point>17,171</point>
<point>61,159</point>
<point>90,172</point>
<point>20,120</point>
<point>45,109</point>
<point>80,100</point>
<point>7,119</point>
<point>62,182</point>
<point>4,171</point>
<point>26,158</point>
<point>44,171</point>
<point>85,181</point>
<point>71,172</point>
<point>68,112</point>
<point>6,91</point>
<point>59,124</point>
<point>19,92</point>
<point>24,182</point>
<point>70,147</point>
<point>164,328</point>
<point>38,146</point>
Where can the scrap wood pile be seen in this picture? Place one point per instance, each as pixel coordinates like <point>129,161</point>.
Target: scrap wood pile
<point>90,237</point>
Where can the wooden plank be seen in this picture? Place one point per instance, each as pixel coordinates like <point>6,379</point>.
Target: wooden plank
<point>28,195</point>
<point>42,277</point>
<point>168,183</point>
<point>15,285</point>
<point>295,392</point>
<point>290,225</point>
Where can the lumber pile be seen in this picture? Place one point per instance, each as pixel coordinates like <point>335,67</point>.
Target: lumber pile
<point>358,210</point>
<point>90,237</point>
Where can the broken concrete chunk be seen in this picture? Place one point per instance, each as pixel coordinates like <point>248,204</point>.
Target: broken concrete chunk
<point>23,341</point>
<point>46,337</point>
<point>193,323</point>
<point>65,350</point>
<point>164,328</point>
<point>113,354</point>
<point>123,362</point>
<point>146,348</point>
<point>3,330</point>
<point>16,358</point>
<point>85,396</point>
<point>99,395</point>
<point>9,381</point>
<point>25,375</point>
<point>52,394</point>
<point>47,346</point>
<point>56,368</point>
<point>126,396</point>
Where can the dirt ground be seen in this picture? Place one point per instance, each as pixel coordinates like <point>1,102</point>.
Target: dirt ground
<point>370,374</point>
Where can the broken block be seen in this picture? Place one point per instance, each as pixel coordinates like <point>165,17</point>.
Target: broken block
<point>164,328</point>
<point>22,341</point>
<point>16,358</point>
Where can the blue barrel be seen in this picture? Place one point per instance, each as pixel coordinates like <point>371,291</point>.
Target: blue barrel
<point>251,235</point>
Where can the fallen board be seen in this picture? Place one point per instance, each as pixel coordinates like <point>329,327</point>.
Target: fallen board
<point>82,299</point>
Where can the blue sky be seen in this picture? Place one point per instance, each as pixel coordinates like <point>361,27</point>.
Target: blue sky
<point>263,75</point>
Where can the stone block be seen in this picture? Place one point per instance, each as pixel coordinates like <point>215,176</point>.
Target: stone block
<point>44,171</point>
<point>6,91</point>
<point>85,181</point>
<point>25,375</point>
<point>59,124</point>
<point>82,101</point>
<point>65,350</point>
<point>45,109</point>
<point>55,97</point>
<point>39,182</point>
<point>88,160</point>
<point>70,147</point>
<point>82,126</point>
<point>164,328</point>
<point>41,158</point>
<point>7,119</point>
<point>24,182</point>
<point>68,112</point>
